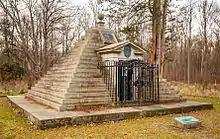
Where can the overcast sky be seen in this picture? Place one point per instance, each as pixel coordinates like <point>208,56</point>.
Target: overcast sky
<point>84,2</point>
<point>80,2</point>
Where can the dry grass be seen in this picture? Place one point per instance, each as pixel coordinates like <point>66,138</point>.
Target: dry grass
<point>198,90</point>
<point>13,87</point>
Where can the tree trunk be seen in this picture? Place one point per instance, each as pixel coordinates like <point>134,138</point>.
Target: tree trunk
<point>156,30</point>
<point>163,32</point>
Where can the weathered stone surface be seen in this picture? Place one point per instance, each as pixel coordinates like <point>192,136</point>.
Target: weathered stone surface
<point>63,87</point>
<point>168,93</point>
<point>44,117</point>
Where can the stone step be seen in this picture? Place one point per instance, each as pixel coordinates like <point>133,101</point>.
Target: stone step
<point>88,75</point>
<point>89,100</point>
<point>93,44</point>
<point>48,97</point>
<point>168,93</point>
<point>84,54</point>
<point>71,55</point>
<point>88,64</point>
<point>82,95</point>
<point>46,93</point>
<point>61,72</point>
<point>84,100</point>
<point>66,59</point>
<point>64,74</point>
<point>166,89</point>
<point>89,50</point>
<point>56,90</point>
<point>45,102</point>
<point>59,68</point>
<point>50,80</point>
<point>72,101</point>
<point>167,96</point>
<point>84,105</point>
<point>61,90</point>
<point>170,100</point>
<point>86,90</point>
<point>60,76</point>
<point>74,83</point>
<point>85,84</point>
<point>87,70</point>
<point>67,62</point>
<point>165,83</point>
<point>89,53</point>
<point>100,80</point>
<point>64,70</point>
<point>61,85</point>
<point>55,79</point>
<point>92,59</point>
<point>74,52</point>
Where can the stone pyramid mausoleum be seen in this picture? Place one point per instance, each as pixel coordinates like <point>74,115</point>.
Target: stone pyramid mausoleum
<point>76,81</point>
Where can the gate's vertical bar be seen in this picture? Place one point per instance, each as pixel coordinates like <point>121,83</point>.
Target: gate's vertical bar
<point>113,80</point>
<point>116,82</point>
<point>155,83</point>
<point>154,77</point>
<point>107,80</point>
<point>147,84</point>
<point>133,82</point>
<point>144,81</point>
<point>104,69</point>
<point>148,81</point>
<point>110,77</point>
<point>158,85</point>
<point>152,82</point>
<point>123,83</point>
<point>139,83</point>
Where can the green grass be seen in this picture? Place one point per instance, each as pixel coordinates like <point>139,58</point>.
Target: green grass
<point>12,125</point>
<point>10,92</point>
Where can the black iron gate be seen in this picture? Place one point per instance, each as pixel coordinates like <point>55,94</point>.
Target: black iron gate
<point>131,81</point>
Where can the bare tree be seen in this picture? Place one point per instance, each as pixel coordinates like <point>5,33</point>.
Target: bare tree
<point>35,23</point>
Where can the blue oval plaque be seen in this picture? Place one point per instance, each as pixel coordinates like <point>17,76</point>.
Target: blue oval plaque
<point>127,51</point>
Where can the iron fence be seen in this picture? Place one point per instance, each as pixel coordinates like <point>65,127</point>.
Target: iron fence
<point>131,82</point>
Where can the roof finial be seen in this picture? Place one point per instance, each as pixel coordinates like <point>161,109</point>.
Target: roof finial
<point>101,18</point>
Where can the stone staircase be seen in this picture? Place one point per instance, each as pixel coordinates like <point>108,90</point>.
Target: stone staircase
<point>168,93</point>
<point>74,82</point>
